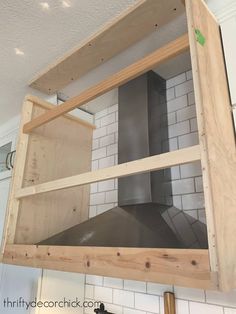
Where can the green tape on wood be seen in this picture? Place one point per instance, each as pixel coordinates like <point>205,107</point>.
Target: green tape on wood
<point>199,37</point>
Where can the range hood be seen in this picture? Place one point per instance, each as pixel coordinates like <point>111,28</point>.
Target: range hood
<point>145,216</point>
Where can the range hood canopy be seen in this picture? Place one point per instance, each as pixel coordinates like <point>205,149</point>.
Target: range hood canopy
<point>145,216</point>
<point>145,225</point>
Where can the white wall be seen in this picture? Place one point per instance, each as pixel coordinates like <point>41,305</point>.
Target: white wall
<point>226,14</point>
<point>55,286</point>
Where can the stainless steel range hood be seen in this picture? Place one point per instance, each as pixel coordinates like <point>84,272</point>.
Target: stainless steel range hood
<point>145,216</point>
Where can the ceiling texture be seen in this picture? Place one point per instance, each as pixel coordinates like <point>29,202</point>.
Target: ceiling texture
<point>35,33</point>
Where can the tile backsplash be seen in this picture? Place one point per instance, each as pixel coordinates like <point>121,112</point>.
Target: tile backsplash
<point>134,297</point>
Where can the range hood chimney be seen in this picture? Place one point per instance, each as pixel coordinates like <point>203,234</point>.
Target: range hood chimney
<point>145,216</point>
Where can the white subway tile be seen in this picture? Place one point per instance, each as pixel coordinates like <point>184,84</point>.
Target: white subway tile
<point>112,128</point>
<point>103,294</point>
<point>189,294</point>
<point>147,302</point>
<point>184,88</point>
<point>193,125</point>
<point>106,185</point>
<point>221,298</point>
<point>175,172</point>
<point>100,132</point>
<point>123,297</point>
<point>107,140</point>
<point>183,186</point>
<point>158,289</point>
<point>193,213</point>
<point>170,93</point>
<point>177,201</point>
<point>98,123</point>
<point>202,215</point>
<point>110,118</point>
<point>138,286</point>
<point>179,129</point>
<point>92,211</point>
<point>162,309</point>
<point>132,311</point>
<point>176,80</point>
<point>196,308</point>
<point>95,144</point>
<point>112,149</point>
<point>186,113</point>
<point>173,144</point>
<point>88,310</point>
<point>99,153</point>
<point>94,280</point>
<point>188,140</point>
<point>93,188</point>
<point>97,198</point>
<point>182,307</point>
<point>101,113</point>
<point>116,159</point>
<point>191,170</point>
<point>95,165</point>
<point>113,282</point>
<point>106,162</point>
<point>199,184</point>
<point>177,103</point>
<point>171,118</point>
<point>193,201</point>
<point>112,196</point>
<point>170,145</point>
<point>189,75</point>
<point>104,208</point>
<point>113,308</point>
<point>191,99</point>
<point>113,108</point>
<point>229,310</point>
<point>89,291</point>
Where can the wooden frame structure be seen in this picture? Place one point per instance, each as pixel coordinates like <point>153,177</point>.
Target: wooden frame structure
<point>127,29</point>
<point>214,268</point>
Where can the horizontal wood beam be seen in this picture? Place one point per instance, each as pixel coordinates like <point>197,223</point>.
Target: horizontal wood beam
<point>152,163</point>
<point>128,28</point>
<point>47,105</point>
<point>161,55</point>
<point>184,267</point>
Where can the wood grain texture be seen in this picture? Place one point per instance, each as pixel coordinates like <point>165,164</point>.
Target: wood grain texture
<point>168,266</point>
<point>17,176</point>
<point>161,55</point>
<point>47,105</point>
<point>125,30</point>
<point>169,303</point>
<point>217,141</point>
<point>152,163</point>
<point>61,148</point>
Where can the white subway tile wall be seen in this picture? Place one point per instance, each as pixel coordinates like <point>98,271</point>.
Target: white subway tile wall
<point>134,297</point>
<point>137,286</point>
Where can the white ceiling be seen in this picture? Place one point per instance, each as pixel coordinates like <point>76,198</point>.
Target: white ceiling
<point>43,36</point>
